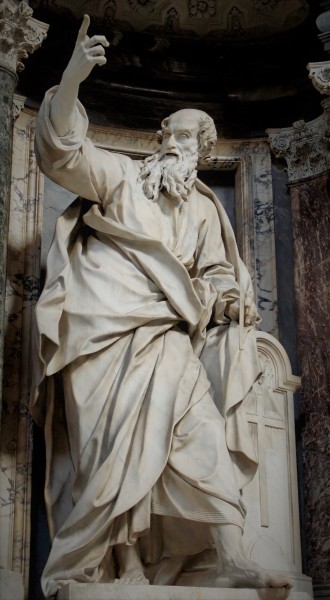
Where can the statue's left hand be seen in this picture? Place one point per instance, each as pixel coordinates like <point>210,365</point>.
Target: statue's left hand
<point>251,316</point>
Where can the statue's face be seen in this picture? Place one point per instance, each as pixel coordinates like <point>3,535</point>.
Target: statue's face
<point>180,136</point>
<point>173,166</point>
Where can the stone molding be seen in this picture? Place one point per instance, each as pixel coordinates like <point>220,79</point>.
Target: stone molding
<point>20,34</point>
<point>104,591</point>
<point>18,105</point>
<point>304,146</point>
<point>319,73</point>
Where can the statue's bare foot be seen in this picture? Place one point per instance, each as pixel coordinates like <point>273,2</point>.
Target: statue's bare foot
<point>132,577</point>
<point>244,573</point>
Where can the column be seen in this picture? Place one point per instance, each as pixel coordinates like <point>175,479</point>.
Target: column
<point>20,34</point>
<point>304,146</point>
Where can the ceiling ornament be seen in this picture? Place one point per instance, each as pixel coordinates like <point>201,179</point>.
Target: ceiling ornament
<point>217,19</point>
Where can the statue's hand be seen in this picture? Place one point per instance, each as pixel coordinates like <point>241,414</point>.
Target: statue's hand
<point>251,316</point>
<point>87,53</point>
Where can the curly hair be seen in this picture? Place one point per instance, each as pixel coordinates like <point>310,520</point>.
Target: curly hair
<point>207,135</point>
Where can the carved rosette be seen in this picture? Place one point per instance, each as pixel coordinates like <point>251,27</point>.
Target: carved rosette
<point>319,73</point>
<point>304,146</point>
<point>20,34</point>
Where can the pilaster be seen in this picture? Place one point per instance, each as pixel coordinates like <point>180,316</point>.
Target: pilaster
<point>305,148</point>
<point>20,34</point>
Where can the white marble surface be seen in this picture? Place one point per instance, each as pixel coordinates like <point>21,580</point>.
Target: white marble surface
<point>271,534</point>
<point>126,592</point>
<point>11,585</point>
<point>251,161</point>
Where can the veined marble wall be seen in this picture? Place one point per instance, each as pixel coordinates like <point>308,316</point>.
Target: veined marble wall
<point>255,223</point>
<point>25,221</point>
<point>305,148</point>
<point>311,229</point>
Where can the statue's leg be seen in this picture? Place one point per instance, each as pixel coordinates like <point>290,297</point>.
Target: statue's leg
<point>130,565</point>
<point>234,569</point>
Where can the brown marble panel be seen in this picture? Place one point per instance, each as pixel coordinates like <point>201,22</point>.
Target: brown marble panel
<point>311,230</point>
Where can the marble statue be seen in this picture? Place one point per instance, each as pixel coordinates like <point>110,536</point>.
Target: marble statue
<point>146,346</point>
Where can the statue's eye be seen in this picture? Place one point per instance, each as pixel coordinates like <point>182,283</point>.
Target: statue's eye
<point>184,136</point>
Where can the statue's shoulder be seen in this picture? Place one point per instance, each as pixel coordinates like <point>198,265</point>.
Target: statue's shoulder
<point>129,165</point>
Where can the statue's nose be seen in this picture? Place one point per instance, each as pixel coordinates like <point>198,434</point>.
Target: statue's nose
<point>171,143</point>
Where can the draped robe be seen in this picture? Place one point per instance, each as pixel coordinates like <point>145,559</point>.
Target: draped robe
<point>144,404</point>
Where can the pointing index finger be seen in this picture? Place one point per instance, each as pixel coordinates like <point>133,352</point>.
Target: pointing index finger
<point>83,29</point>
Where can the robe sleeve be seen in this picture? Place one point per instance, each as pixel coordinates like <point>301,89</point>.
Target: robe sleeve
<point>73,161</point>
<point>211,264</point>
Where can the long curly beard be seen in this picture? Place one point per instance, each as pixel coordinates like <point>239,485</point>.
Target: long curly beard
<point>175,174</point>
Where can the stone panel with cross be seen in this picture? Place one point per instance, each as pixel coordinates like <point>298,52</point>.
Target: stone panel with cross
<point>272,536</point>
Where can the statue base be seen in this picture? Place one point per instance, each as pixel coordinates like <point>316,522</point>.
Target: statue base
<point>113,591</point>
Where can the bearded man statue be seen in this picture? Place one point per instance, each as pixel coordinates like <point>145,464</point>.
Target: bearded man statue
<point>145,338</point>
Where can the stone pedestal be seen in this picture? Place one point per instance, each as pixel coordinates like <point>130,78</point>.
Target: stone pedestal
<point>11,585</point>
<point>110,591</point>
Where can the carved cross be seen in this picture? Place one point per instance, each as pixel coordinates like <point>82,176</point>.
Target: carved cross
<point>261,401</point>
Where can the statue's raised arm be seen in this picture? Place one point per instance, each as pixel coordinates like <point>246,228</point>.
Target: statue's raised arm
<point>88,52</point>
